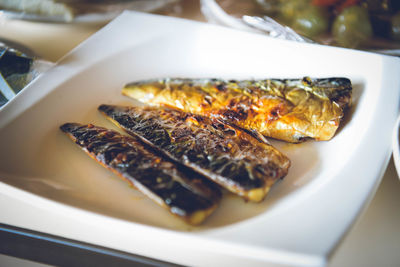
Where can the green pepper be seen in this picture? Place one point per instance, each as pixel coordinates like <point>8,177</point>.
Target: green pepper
<point>352,27</point>
<point>289,9</point>
<point>311,21</point>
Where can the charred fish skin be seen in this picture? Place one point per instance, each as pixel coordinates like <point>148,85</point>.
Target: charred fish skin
<point>154,176</point>
<point>226,155</point>
<point>285,109</point>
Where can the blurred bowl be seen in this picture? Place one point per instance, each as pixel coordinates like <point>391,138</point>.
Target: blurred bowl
<point>250,16</point>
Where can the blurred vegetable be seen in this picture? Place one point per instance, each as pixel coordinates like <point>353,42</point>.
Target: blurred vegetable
<point>289,9</point>
<point>378,6</point>
<point>347,3</point>
<point>311,21</point>
<point>352,27</point>
<point>337,4</point>
<point>395,29</point>
<point>348,23</point>
<point>325,2</point>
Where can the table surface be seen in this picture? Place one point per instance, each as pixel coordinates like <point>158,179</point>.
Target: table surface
<point>373,241</point>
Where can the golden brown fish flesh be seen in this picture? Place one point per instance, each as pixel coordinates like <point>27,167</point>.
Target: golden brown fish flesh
<point>189,196</point>
<point>226,155</point>
<point>289,109</point>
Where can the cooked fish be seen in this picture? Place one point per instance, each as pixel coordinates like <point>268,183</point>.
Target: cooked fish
<point>289,110</point>
<point>229,156</point>
<point>186,195</point>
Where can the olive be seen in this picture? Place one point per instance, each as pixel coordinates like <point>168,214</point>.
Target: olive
<point>395,29</point>
<point>352,27</point>
<point>289,8</point>
<point>311,21</point>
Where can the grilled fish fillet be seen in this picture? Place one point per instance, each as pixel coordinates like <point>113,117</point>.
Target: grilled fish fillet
<point>187,196</point>
<point>226,155</point>
<point>289,110</point>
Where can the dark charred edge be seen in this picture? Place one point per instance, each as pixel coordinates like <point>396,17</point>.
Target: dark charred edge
<point>220,181</point>
<point>226,182</point>
<point>187,166</point>
<point>109,112</point>
<point>68,127</point>
<point>212,189</point>
<point>210,203</point>
<point>338,89</point>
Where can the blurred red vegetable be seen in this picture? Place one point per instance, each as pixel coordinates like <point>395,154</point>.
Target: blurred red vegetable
<point>325,2</point>
<point>339,4</point>
<point>347,3</point>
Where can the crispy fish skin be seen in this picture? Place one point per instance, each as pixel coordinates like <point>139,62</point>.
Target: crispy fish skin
<point>192,199</point>
<point>287,109</point>
<point>226,155</point>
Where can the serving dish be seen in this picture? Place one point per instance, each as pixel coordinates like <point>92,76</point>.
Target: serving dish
<point>261,16</point>
<point>49,185</point>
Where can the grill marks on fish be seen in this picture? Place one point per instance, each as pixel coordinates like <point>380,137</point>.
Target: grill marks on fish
<point>286,109</point>
<point>186,195</point>
<point>224,154</point>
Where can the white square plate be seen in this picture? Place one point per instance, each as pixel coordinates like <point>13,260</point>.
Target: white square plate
<point>49,185</point>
